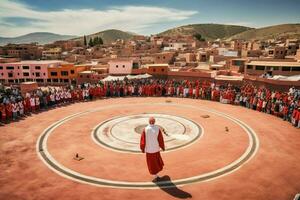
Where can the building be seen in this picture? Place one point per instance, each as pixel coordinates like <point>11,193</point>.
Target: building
<point>22,51</point>
<point>176,46</point>
<point>277,52</point>
<point>160,70</point>
<point>164,57</point>
<point>18,72</point>
<point>236,45</point>
<point>122,66</point>
<point>52,54</point>
<point>285,68</point>
<point>251,53</point>
<point>65,73</point>
<point>237,64</point>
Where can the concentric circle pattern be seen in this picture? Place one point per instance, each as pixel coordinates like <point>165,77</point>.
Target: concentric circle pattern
<point>123,133</point>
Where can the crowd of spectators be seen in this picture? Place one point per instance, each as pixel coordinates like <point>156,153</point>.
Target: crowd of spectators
<point>286,105</point>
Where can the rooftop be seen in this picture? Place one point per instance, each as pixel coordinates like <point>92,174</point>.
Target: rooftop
<point>35,62</point>
<point>280,64</point>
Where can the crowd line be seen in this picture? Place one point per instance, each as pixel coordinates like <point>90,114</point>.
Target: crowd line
<point>286,105</point>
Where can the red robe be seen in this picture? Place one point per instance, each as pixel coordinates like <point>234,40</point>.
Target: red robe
<point>154,161</point>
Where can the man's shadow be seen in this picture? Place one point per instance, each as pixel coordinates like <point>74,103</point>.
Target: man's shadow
<point>165,184</point>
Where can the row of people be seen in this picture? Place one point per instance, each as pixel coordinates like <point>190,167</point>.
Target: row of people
<point>281,104</point>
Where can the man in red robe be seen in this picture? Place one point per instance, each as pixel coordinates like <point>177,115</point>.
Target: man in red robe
<point>151,142</point>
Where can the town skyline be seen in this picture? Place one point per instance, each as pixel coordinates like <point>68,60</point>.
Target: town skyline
<point>141,17</point>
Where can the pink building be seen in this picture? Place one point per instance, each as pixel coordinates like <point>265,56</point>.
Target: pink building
<point>122,66</point>
<point>30,70</point>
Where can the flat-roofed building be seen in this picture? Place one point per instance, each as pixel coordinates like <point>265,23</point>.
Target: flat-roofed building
<point>277,52</point>
<point>164,57</point>
<point>157,69</point>
<point>122,66</point>
<point>285,68</point>
<point>18,72</point>
<point>52,54</point>
<point>251,53</point>
<point>237,64</point>
<point>65,73</point>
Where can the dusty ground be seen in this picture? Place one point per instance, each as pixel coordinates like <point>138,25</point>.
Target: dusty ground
<point>273,172</point>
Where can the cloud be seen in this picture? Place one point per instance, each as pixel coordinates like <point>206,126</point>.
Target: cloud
<point>85,21</point>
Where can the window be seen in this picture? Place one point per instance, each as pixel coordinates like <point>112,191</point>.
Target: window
<point>275,68</point>
<point>18,67</point>
<point>25,67</point>
<point>1,67</point>
<point>164,57</point>
<point>10,75</point>
<point>123,66</point>
<point>37,74</point>
<point>66,80</point>
<point>38,67</point>
<point>64,73</point>
<point>154,70</point>
<point>271,52</point>
<point>260,67</point>
<point>18,74</point>
<point>162,70</point>
<point>117,66</point>
<point>9,67</point>
<point>72,71</point>
<point>249,67</point>
<point>44,74</point>
<point>40,80</point>
<point>25,74</point>
<point>286,69</point>
<point>53,73</point>
<point>32,74</point>
<point>297,69</point>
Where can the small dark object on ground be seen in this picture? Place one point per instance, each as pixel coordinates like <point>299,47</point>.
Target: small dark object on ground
<point>77,157</point>
<point>205,116</point>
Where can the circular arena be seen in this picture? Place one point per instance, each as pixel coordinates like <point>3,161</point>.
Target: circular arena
<point>90,150</point>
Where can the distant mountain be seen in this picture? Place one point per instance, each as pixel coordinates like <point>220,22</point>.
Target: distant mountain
<point>270,32</point>
<point>208,31</point>
<point>109,36</point>
<point>39,37</point>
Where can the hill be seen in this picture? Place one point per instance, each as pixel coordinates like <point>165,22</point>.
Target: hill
<point>109,36</point>
<point>39,37</point>
<point>270,32</point>
<point>208,31</point>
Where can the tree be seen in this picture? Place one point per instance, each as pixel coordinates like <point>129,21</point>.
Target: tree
<point>84,40</point>
<point>198,36</point>
<point>91,43</point>
<point>97,41</point>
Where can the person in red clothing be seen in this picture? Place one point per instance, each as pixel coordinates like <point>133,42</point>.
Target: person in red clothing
<point>8,109</point>
<point>3,112</point>
<point>151,142</point>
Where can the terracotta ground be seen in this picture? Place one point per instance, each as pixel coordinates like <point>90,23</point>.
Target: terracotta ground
<point>273,173</point>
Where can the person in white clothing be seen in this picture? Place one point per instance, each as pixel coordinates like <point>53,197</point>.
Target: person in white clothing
<point>151,142</point>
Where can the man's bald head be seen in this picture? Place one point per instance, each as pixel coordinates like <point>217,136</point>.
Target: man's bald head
<point>152,120</point>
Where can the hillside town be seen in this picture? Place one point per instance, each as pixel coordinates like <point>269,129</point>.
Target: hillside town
<point>273,62</point>
<point>155,99</point>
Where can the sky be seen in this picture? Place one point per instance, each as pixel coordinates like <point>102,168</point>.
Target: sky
<point>82,17</point>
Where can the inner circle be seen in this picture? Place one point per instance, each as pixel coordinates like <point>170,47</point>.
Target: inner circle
<point>123,133</point>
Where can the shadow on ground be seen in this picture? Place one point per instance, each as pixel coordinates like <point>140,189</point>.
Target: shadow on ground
<point>165,184</point>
